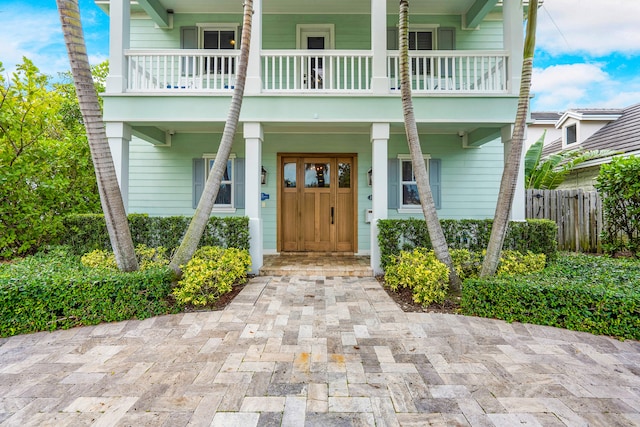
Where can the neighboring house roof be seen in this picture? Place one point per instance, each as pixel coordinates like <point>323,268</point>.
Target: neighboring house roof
<point>545,116</point>
<point>622,134</point>
<point>587,114</point>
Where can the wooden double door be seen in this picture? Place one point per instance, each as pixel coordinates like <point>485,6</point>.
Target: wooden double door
<point>317,203</point>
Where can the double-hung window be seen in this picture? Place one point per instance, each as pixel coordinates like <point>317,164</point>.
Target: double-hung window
<point>409,197</point>
<point>225,197</point>
<point>571,134</point>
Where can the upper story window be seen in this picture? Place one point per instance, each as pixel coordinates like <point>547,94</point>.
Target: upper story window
<point>421,40</point>
<point>218,37</point>
<point>571,134</point>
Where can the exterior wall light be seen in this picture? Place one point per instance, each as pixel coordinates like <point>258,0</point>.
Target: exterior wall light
<point>263,176</point>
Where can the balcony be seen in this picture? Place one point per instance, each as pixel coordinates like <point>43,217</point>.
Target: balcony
<point>316,72</point>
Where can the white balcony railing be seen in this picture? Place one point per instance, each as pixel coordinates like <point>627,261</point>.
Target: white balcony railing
<point>311,71</point>
<point>316,71</point>
<point>156,70</point>
<point>452,71</point>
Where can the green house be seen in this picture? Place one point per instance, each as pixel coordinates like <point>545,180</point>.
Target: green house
<point>321,153</point>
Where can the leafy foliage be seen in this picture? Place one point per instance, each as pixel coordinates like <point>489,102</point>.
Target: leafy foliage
<point>538,236</point>
<point>147,258</point>
<point>579,292</point>
<point>45,165</point>
<point>548,173</point>
<point>52,291</point>
<point>420,271</point>
<point>619,183</point>
<point>210,274</point>
<point>85,233</point>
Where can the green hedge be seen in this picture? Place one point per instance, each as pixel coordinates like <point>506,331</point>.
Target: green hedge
<point>579,292</point>
<point>535,235</point>
<point>48,292</point>
<point>85,233</point>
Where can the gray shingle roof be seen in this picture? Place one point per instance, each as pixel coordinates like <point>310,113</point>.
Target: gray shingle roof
<point>621,135</point>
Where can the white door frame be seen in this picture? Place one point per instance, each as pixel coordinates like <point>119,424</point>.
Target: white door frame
<point>303,31</point>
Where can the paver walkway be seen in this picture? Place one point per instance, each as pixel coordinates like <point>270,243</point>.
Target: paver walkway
<point>318,351</point>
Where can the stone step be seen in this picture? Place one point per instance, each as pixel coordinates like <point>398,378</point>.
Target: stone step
<point>316,265</point>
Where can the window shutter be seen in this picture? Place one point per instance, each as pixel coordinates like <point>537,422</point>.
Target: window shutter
<point>392,38</point>
<point>198,180</point>
<point>238,37</point>
<point>446,38</point>
<point>435,178</point>
<point>393,189</point>
<point>238,184</point>
<point>446,41</point>
<point>188,40</point>
<point>188,37</point>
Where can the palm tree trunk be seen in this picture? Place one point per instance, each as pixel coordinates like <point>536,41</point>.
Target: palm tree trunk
<point>436,234</point>
<point>512,166</point>
<point>110,196</point>
<point>212,186</point>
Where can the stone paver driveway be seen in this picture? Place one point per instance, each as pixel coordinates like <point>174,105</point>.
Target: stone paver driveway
<point>318,351</point>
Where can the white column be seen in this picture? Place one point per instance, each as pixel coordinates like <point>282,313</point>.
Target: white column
<point>513,36</point>
<point>379,143</point>
<point>253,137</point>
<point>119,34</point>
<point>518,205</point>
<point>253,85</point>
<point>379,81</point>
<point>119,136</point>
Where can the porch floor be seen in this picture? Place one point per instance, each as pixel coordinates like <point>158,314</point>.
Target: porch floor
<point>316,264</point>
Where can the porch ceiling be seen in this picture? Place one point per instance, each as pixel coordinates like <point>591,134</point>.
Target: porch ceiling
<point>318,128</point>
<point>437,7</point>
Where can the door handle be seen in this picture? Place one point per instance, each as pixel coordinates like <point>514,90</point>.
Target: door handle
<point>332,211</point>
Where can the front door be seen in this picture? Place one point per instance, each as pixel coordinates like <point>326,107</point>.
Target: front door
<point>317,203</point>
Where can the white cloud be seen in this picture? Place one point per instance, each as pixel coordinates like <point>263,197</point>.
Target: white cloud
<point>560,87</point>
<point>592,27</point>
<point>36,34</point>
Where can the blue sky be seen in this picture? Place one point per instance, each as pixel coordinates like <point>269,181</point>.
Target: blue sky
<point>588,51</point>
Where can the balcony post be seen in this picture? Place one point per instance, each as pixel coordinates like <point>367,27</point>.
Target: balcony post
<point>513,35</point>
<point>119,35</point>
<point>253,137</point>
<point>253,85</point>
<point>379,80</point>
<point>379,162</point>
<point>518,205</point>
<point>119,136</point>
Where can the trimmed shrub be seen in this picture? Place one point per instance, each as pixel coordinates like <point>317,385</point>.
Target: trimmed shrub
<point>535,235</point>
<point>54,291</point>
<point>420,271</point>
<point>580,292</point>
<point>210,274</point>
<point>85,233</point>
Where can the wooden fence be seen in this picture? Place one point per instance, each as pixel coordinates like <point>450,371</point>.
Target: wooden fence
<point>578,214</point>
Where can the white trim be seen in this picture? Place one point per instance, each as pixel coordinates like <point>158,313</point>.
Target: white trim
<point>403,208</point>
<point>227,26</point>
<point>326,30</point>
<point>223,208</point>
